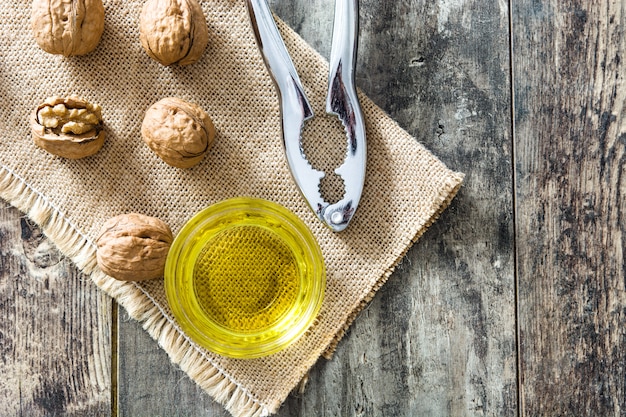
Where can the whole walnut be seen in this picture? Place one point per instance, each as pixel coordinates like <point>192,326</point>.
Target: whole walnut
<point>68,127</point>
<point>179,132</point>
<point>173,31</point>
<point>67,27</point>
<point>133,247</point>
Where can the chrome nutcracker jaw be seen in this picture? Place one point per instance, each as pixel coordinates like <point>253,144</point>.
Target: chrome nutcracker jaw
<point>341,100</point>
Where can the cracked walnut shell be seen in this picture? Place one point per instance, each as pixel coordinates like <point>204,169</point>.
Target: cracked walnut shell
<point>173,31</point>
<point>68,127</point>
<point>67,27</point>
<point>133,247</point>
<point>179,132</point>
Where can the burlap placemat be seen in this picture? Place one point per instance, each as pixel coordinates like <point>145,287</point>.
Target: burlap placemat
<point>405,189</point>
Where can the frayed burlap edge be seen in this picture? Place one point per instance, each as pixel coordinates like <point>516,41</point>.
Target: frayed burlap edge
<point>139,305</point>
<point>143,308</point>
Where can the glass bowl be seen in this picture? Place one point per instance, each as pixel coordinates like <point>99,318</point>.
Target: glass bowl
<point>245,278</point>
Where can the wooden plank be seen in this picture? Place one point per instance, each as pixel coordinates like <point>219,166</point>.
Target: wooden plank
<point>55,340</point>
<point>439,339</point>
<point>149,385</point>
<point>571,146</point>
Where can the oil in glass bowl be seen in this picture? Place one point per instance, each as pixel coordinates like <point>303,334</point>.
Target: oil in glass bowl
<point>245,278</point>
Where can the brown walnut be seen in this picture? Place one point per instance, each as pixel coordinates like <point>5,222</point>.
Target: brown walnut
<point>179,132</point>
<point>68,127</point>
<point>173,31</point>
<point>67,27</point>
<point>133,247</point>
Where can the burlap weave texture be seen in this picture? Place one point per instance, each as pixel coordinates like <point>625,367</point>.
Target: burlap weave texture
<point>406,187</point>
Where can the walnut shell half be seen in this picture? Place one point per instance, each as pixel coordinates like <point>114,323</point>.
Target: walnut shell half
<point>173,31</point>
<point>179,132</point>
<point>133,247</point>
<point>67,27</point>
<point>68,127</point>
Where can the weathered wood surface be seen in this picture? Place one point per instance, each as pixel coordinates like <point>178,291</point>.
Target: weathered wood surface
<point>439,339</point>
<point>570,115</point>
<point>513,303</point>
<point>55,329</point>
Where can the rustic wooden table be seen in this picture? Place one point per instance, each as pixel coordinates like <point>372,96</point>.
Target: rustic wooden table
<point>513,303</point>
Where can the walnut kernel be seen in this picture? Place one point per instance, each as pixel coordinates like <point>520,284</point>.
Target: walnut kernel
<point>68,127</point>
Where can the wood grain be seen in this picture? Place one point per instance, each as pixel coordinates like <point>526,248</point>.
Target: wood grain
<point>570,138</point>
<point>55,332</point>
<point>439,338</point>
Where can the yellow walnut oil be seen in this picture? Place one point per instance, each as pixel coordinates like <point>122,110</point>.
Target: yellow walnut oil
<point>245,278</point>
